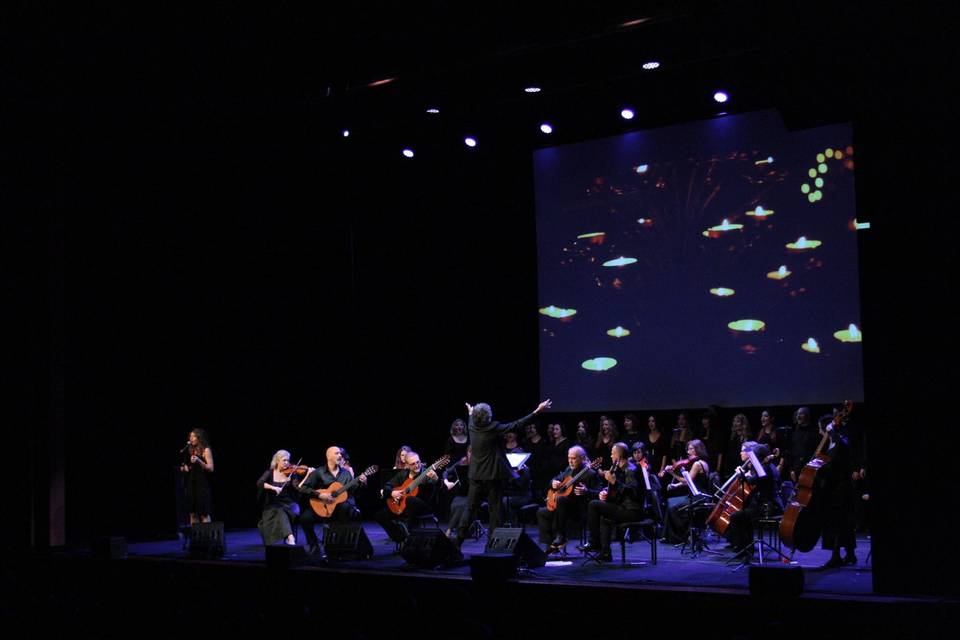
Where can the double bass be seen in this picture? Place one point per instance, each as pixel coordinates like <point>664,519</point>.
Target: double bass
<point>801,525</point>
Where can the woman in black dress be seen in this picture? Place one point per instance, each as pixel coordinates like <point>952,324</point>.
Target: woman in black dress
<point>278,497</point>
<point>197,469</point>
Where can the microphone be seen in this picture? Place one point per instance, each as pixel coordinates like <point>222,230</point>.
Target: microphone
<point>185,447</point>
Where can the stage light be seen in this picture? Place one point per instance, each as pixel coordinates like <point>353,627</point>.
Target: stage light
<point>346,133</point>
<point>408,153</point>
<point>532,89</point>
<point>627,114</point>
<point>546,128</point>
<point>433,110</point>
<point>470,142</point>
<point>721,96</point>
<point>650,66</point>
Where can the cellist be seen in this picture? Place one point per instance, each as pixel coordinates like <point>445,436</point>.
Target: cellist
<point>763,499</point>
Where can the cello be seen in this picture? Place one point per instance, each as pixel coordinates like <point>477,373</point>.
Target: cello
<point>735,492</point>
<point>801,524</point>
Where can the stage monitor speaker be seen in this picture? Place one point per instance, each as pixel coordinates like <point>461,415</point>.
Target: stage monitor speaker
<point>515,541</point>
<point>207,540</point>
<point>347,541</point>
<point>282,556</point>
<point>429,548</point>
<point>109,547</point>
<point>494,567</point>
<point>776,580</point>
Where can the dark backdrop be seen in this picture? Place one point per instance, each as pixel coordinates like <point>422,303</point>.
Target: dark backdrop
<point>185,252</point>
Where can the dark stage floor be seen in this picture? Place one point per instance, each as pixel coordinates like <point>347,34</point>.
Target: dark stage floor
<point>673,569</point>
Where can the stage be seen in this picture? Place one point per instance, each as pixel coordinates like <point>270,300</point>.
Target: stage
<point>675,567</point>
<point>159,583</point>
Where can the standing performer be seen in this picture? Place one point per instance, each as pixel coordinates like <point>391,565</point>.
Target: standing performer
<point>197,469</point>
<point>489,468</point>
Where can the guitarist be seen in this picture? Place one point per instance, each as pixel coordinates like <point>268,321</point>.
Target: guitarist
<point>416,506</point>
<point>621,500</point>
<point>314,483</point>
<point>573,507</point>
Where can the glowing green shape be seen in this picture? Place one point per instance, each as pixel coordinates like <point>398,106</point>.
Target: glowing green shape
<point>599,364</point>
<point>618,332</point>
<point>591,235</point>
<point>818,182</point>
<point>812,173</point>
<point>722,292</point>
<point>557,312</point>
<point>805,188</point>
<point>822,169</point>
<point>747,325</point>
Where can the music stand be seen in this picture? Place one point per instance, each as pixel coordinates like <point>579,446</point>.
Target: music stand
<point>759,545</point>
<point>696,501</point>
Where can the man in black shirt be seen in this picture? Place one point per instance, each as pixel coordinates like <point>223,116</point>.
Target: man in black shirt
<point>316,481</point>
<point>489,469</point>
<point>415,505</point>
<point>553,524</point>
<point>621,500</point>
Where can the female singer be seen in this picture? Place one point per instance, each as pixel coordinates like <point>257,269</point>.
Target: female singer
<point>278,496</point>
<point>200,464</point>
<point>656,445</point>
<point>606,438</point>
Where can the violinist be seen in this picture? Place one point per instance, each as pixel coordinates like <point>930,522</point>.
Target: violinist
<point>313,483</point>
<point>621,500</point>
<point>837,497</point>
<point>678,517</point>
<point>763,499</point>
<point>277,493</point>
<point>197,470</point>
<point>573,507</point>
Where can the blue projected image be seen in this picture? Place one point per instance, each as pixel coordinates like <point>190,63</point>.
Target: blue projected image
<point>713,262</point>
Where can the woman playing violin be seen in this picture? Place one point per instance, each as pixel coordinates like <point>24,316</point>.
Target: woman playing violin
<point>678,520</point>
<point>278,496</point>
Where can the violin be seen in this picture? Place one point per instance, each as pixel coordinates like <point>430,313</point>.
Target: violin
<point>676,466</point>
<point>295,470</point>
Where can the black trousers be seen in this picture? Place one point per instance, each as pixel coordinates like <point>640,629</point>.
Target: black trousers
<point>344,512</point>
<point>493,491</point>
<point>554,523</point>
<point>388,519</point>
<point>600,515</point>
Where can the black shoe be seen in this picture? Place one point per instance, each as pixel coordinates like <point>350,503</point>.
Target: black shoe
<point>606,556</point>
<point>851,558</point>
<point>588,547</point>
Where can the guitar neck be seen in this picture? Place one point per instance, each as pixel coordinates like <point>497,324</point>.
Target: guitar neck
<point>420,478</point>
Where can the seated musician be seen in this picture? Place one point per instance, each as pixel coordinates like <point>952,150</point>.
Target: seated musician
<point>277,494</point>
<point>573,507</point>
<point>678,516</point>
<point>762,501</point>
<point>639,454</point>
<point>313,485</point>
<point>398,526</point>
<point>621,500</point>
